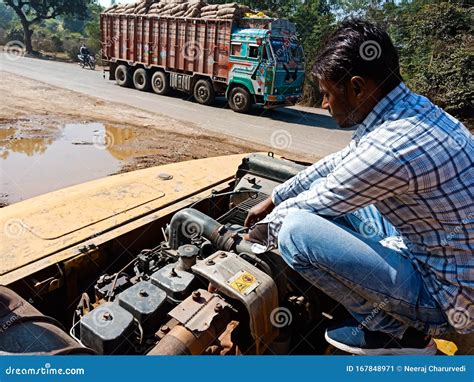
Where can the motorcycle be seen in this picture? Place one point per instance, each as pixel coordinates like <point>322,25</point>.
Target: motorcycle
<point>88,60</point>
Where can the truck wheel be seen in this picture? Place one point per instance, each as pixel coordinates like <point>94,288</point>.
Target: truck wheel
<point>122,76</point>
<point>160,83</point>
<point>204,92</point>
<point>240,100</point>
<point>141,80</point>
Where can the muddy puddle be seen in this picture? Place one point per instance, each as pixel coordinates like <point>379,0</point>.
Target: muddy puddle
<point>36,158</point>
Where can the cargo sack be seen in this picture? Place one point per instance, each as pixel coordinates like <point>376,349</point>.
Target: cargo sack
<point>210,8</point>
<point>224,12</point>
<point>194,13</point>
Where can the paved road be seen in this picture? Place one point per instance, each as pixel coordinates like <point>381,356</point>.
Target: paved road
<point>297,129</point>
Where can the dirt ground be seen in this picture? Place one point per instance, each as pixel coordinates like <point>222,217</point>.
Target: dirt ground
<point>36,110</point>
<point>29,101</point>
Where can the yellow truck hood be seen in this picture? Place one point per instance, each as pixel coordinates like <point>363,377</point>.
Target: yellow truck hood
<point>41,231</point>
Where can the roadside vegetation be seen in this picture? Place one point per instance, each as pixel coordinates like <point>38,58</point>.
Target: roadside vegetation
<point>435,38</point>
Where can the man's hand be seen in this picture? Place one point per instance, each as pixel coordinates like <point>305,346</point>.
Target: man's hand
<point>259,212</point>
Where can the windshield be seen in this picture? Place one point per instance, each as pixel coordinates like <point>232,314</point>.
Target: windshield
<point>296,52</point>
<point>279,50</point>
<point>285,50</point>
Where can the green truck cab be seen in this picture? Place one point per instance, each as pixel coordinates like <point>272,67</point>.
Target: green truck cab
<point>266,66</point>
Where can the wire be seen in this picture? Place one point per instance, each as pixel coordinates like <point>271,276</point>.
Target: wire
<point>116,278</point>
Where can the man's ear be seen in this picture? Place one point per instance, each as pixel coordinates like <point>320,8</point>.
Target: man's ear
<point>359,86</point>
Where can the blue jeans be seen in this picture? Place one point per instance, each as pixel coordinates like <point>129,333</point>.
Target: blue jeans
<point>379,286</point>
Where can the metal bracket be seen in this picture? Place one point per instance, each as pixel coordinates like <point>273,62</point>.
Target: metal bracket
<point>197,311</point>
<point>239,279</point>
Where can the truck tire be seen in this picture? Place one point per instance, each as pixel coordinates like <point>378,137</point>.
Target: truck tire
<point>122,76</point>
<point>141,79</point>
<point>240,100</point>
<point>204,92</point>
<point>160,82</point>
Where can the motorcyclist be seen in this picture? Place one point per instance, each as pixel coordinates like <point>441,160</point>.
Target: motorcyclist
<point>85,53</point>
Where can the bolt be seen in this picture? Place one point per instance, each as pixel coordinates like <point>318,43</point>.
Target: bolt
<point>107,316</point>
<point>196,295</point>
<point>164,176</point>
<point>143,293</point>
<point>218,307</point>
<point>223,255</point>
<point>165,329</point>
<point>210,262</point>
<point>173,273</point>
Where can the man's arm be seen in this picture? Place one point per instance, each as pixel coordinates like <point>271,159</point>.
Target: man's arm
<point>299,183</point>
<point>303,180</point>
<point>368,175</point>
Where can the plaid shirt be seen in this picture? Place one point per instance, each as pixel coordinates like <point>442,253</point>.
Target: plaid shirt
<point>414,162</point>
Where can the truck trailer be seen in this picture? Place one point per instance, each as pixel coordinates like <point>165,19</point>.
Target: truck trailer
<point>249,61</point>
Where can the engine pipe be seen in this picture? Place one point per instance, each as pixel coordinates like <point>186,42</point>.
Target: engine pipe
<point>189,222</point>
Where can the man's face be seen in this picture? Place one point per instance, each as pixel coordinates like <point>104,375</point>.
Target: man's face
<point>343,104</point>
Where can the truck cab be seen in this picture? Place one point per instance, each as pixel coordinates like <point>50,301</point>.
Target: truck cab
<point>266,65</point>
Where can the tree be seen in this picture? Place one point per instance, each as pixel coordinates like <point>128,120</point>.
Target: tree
<point>31,12</point>
<point>438,56</point>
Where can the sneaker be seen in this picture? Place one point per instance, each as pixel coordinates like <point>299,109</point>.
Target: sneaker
<point>351,337</point>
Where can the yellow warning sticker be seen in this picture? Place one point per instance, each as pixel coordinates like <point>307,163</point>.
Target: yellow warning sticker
<point>243,282</point>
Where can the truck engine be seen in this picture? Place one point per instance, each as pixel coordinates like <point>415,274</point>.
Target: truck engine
<point>200,288</point>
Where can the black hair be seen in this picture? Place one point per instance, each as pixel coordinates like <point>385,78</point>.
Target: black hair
<point>358,48</point>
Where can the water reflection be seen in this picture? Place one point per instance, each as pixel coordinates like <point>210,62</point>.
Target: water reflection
<point>34,163</point>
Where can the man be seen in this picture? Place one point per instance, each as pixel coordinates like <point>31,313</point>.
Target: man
<point>386,225</point>
<point>84,52</point>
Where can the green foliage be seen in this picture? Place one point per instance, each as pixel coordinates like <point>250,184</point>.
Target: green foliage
<point>60,34</point>
<point>34,12</point>
<point>92,28</point>
<point>6,15</point>
<point>436,46</point>
<point>313,21</point>
<point>449,80</point>
<point>14,33</point>
<point>72,43</point>
<point>6,21</point>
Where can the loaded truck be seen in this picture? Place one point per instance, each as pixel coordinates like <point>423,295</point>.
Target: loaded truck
<point>249,61</point>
